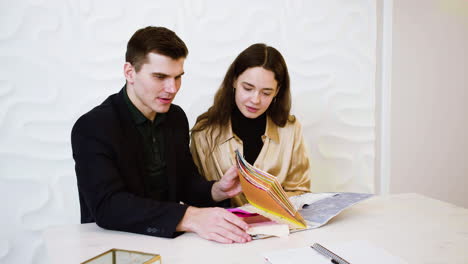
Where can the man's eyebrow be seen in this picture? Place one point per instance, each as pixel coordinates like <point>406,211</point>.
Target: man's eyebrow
<point>160,74</point>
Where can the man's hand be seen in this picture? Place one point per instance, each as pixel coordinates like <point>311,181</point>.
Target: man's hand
<point>214,224</point>
<point>228,186</point>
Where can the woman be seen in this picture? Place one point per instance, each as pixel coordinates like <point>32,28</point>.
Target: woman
<point>251,113</point>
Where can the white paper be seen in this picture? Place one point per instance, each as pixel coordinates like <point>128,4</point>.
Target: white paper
<point>355,252</point>
<point>295,255</point>
<point>363,252</point>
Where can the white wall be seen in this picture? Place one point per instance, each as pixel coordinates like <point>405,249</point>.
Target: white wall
<point>60,58</point>
<point>429,116</point>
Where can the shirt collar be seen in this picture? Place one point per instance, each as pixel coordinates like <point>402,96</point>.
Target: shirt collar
<point>138,116</point>
<point>271,130</point>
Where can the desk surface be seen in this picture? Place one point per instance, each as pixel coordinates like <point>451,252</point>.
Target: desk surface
<point>415,228</point>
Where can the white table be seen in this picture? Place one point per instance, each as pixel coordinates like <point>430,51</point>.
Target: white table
<point>415,228</point>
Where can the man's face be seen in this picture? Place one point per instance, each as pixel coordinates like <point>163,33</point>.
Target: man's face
<point>154,87</point>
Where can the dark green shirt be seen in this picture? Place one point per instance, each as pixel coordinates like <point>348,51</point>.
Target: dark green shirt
<point>152,135</point>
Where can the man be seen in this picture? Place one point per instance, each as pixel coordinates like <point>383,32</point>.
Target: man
<point>132,157</point>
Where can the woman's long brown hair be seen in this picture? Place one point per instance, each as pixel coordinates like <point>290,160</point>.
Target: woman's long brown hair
<point>257,55</point>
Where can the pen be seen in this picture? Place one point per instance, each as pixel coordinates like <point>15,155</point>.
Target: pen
<point>335,259</point>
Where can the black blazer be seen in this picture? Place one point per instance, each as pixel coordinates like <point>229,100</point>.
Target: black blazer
<point>108,154</point>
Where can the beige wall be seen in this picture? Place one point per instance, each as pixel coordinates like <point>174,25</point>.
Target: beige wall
<point>429,99</point>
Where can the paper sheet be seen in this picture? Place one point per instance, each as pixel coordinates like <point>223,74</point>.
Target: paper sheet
<point>355,252</point>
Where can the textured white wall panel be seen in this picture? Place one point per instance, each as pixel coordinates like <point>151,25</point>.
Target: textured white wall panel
<point>60,58</point>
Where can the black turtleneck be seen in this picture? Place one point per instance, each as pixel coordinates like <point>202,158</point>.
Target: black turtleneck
<point>250,131</point>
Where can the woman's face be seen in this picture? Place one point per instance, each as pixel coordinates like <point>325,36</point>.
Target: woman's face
<point>255,90</point>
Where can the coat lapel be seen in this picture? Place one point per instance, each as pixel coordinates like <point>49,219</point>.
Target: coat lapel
<point>171,170</point>
<point>131,139</point>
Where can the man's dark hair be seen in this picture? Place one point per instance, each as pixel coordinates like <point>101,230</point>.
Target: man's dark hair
<point>159,40</point>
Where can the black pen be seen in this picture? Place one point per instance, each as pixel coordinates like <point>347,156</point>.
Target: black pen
<point>335,259</point>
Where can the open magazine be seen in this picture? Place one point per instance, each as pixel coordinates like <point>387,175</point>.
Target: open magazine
<point>267,198</point>
<point>318,208</point>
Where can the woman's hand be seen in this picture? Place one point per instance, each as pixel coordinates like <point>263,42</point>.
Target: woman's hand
<point>228,186</point>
